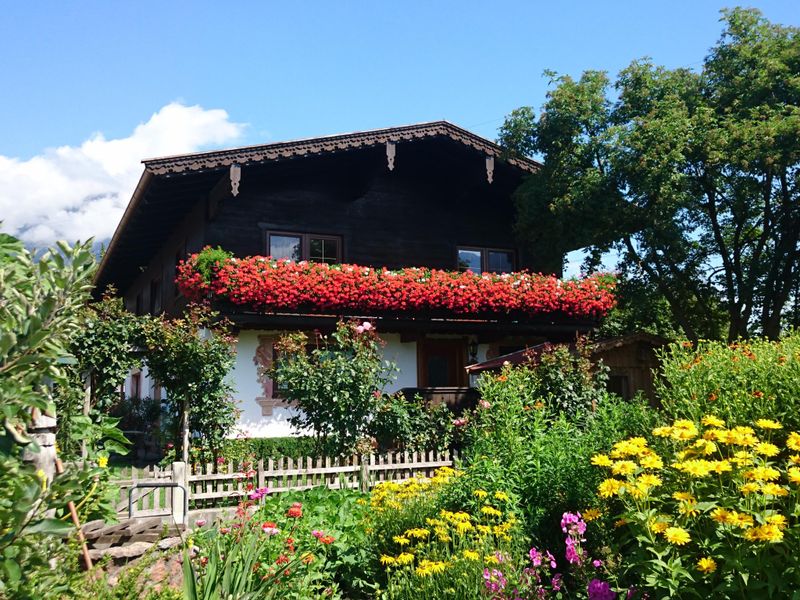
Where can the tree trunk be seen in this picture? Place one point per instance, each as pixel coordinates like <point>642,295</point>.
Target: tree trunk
<point>42,431</point>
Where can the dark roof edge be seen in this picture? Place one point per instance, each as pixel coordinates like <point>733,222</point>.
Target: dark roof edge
<point>138,193</point>
<point>221,158</point>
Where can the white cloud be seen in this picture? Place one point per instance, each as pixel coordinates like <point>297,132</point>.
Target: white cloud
<point>77,192</point>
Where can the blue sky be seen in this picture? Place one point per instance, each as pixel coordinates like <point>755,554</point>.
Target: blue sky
<point>91,72</point>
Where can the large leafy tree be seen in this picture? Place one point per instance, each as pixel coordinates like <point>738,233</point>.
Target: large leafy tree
<point>692,177</point>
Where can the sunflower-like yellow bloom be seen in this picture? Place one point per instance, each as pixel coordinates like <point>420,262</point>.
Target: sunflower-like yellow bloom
<point>740,520</point>
<point>793,442</point>
<point>677,536</point>
<point>706,565</point>
<point>471,555</point>
<point>778,520</point>
<point>768,424</point>
<point>601,460</point>
<point>651,460</point>
<point>766,449</point>
<point>720,515</point>
<point>623,467</point>
<point>657,526</point>
<point>764,533</point>
<point>762,474</point>
<point>590,514</point>
<point>405,558</point>
<point>773,489</point>
<point>750,488</point>
<point>794,474</point>
<point>480,494</point>
<point>609,487</point>
<point>388,560</point>
<point>683,497</point>
<point>712,421</point>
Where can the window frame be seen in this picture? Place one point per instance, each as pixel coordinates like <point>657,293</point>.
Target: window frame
<point>484,251</point>
<point>305,242</point>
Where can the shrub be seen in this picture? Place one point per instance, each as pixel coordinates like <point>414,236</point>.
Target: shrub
<point>738,382</point>
<point>714,514</point>
<point>523,440</point>
<point>411,424</point>
<point>336,383</point>
<point>255,449</point>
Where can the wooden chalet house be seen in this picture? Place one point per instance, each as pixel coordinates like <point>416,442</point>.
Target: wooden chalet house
<point>430,195</point>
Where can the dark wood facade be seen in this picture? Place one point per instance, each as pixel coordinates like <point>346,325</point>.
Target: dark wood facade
<point>436,197</point>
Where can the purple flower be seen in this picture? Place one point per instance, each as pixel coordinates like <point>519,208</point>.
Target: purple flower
<point>597,563</point>
<point>573,524</point>
<point>494,580</point>
<point>556,582</point>
<point>536,557</point>
<point>258,493</point>
<point>600,590</point>
<point>552,559</point>
<point>574,552</point>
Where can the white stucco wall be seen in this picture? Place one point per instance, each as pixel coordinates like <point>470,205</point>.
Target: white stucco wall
<point>247,388</point>
<point>404,355</point>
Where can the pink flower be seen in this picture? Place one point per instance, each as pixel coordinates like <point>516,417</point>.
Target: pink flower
<point>459,422</point>
<point>494,580</point>
<point>366,326</point>
<point>360,329</point>
<point>269,528</point>
<point>200,522</point>
<point>597,563</point>
<point>600,590</point>
<point>258,493</point>
<point>484,404</point>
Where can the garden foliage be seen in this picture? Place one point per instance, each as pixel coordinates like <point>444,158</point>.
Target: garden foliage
<point>739,382</point>
<point>713,514</point>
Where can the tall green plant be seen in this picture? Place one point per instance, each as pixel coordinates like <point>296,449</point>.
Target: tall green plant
<point>191,357</point>
<point>336,381</point>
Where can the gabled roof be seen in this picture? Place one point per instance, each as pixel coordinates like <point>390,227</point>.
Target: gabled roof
<point>333,143</point>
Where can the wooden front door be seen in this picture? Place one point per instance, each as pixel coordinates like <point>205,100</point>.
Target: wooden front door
<point>441,363</point>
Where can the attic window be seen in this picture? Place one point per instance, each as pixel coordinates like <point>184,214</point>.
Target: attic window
<point>305,246</point>
<point>486,260</point>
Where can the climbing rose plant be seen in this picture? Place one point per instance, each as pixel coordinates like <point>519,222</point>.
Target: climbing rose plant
<point>266,284</point>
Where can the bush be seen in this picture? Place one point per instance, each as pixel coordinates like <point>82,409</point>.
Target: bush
<point>714,514</point>
<point>739,382</point>
<point>523,440</point>
<point>255,449</point>
<point>412,425</point>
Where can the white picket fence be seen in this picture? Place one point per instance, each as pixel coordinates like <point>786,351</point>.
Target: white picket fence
<point>211,486</point>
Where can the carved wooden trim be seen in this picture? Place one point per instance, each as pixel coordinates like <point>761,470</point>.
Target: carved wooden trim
<point>236,178</point>
<point>391,151</point>
<point>263,360</point>
<point>490,168</point>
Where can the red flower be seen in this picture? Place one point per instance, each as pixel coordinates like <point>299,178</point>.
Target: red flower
<point>282,560</point>
<point>327,539</point>
<point>295,511</point>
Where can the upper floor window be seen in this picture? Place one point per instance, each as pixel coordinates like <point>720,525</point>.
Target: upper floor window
<point>305,246</point>
<point>486,260</point>
<point>155,296</point>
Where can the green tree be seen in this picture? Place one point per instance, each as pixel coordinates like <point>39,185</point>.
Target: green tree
<point>191,357</point>
<point>692,177</point>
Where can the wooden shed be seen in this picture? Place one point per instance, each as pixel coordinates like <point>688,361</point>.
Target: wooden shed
<point>631,359</point>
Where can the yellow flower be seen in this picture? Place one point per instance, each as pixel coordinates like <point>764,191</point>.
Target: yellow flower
<point>590,514</point>
<point>491,511</point>
<point>662,431</point>
<point>388,560</point>
<point>463,527</point>
<point>418,533</point>
<point>794,474</point>
<point>677,536</point>
<point>768,424</point>
<point>742,457</point>
<point>706,565</point>
<point>697,467</point>
<point>722,466</point>
<point>620,523</point>
<point>778,520</point>
<point>401,540</point>
<point>491,558</point>
<point>623,467</point>
<point>688,509</point>
<point>764,533</point>
<point>762,474</point>
<point>793,443</point>
<point>795,459</point>
<point>502,496</point>
<point>720,515</point>
<point>480,494</point>
<point>683,497</point>
<point>773,489</point>
<point>750,488</point>
<point>741,520</point>
<point>609,487</point>
<point>484,529</point>
<point>651,461</point>
<point>712,421</point>
<point>658,526</point>
<point>471,555</point>
<point>766,449</point>
<point>430,567</point>
<point>102,462</point>
<point>405,558</point>
<point>683,430</point>
<point>601,460</point>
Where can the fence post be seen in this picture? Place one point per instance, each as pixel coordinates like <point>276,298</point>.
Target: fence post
<point>363,478</point>
<point>179,497</point>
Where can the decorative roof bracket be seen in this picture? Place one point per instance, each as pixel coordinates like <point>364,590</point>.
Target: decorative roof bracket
<point>236,177</point>
<point>391,150</point>
<point>490,168</point>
